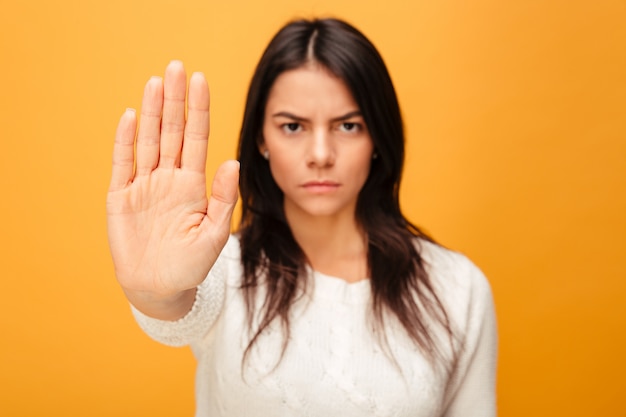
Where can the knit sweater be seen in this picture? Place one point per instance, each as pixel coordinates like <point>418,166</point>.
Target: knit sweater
<point>334,365</point>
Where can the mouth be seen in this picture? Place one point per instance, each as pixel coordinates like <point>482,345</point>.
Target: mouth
<point>321,186</point>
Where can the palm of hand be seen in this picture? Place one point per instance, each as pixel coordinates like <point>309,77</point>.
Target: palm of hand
<point>157,228</point>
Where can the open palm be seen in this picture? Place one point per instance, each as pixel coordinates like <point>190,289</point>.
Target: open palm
<point>164,233</point>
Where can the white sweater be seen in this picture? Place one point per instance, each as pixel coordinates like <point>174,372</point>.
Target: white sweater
<point>333,365</point>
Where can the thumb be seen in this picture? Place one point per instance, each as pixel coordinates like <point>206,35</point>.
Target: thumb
<point>224,192</point>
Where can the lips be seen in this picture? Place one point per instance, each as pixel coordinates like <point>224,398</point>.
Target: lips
<point>321,186</point>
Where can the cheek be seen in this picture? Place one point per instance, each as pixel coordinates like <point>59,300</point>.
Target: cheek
<point>363,164</point>
<point>281,169</point>
<point>364,173</point>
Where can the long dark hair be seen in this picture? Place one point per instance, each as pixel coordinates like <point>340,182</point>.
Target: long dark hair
<point>400,284</point>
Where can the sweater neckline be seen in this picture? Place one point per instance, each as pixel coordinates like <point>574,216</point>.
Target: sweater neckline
<point>338,289</point>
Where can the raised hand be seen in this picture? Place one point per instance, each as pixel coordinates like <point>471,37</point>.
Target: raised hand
<point>164,233</point>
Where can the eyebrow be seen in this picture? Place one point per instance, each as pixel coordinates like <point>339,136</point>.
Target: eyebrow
<point>303,119</point>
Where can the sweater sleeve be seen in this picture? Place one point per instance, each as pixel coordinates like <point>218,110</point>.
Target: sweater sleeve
<point>199,320</point>
<point>472,388</point>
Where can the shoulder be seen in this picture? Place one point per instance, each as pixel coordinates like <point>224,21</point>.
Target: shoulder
<point>232,248</point>
<point>461,285</point>
<point>228,264</point>
<point>442,258</point>
<point>451,270</point>
<point>230,254</point>
<point>466,295</point>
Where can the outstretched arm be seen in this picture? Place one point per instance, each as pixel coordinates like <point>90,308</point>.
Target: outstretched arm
<point>164,233</point>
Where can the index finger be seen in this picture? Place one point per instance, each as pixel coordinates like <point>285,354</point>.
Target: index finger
<point>196,134</point>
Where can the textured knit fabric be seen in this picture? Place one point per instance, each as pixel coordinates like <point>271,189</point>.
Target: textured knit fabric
<point>334,365</point>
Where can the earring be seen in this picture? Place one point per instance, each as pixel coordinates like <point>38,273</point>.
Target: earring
<point>266,154</point>
<point>374,155</point>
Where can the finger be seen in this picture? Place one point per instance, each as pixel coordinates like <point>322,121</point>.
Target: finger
<point>224,193</point>
<point>197,129</point>
<point>150,127</point>
<point>123,151</point>
<point>173,123</point>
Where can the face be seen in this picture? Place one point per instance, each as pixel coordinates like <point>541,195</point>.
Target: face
<point>319,148</point>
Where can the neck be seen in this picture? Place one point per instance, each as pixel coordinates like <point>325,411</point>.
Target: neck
<point>333,245</point>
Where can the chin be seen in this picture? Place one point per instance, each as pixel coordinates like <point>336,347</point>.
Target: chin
<point>325,211</point>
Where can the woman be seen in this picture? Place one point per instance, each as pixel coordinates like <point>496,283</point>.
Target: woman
<point>327,301</point>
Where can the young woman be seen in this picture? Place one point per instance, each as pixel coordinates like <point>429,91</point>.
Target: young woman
<point>327,300</point>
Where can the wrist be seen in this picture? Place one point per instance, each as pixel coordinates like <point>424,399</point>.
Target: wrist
<point>169,307</point>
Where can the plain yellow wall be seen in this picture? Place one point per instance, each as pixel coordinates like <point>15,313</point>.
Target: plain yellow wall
<point>516,121</point>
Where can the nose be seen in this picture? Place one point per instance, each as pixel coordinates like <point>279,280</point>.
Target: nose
<point>321,151</point>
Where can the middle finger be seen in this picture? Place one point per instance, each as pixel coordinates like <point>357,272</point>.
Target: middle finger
<point>173,122</point>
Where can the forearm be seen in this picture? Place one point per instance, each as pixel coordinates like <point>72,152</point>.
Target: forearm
<point>162,307</point>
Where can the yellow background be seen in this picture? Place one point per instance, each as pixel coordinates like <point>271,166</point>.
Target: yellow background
<point>516,121</point>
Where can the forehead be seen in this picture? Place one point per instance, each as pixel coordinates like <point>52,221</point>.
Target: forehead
<point>309,90</point>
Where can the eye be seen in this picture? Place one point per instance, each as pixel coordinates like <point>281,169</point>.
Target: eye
<point>291,128</point>
<point>350,127</point>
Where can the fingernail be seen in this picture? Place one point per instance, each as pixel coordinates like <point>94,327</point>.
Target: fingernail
<point>131,110</point>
